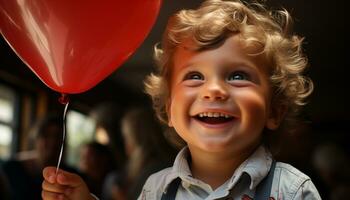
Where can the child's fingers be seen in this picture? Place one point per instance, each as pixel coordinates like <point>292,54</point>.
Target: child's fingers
<point>57,188</point>
<point>49,174</point>
<point>69,179</point>
<point>52,196</point>
<point>63,185</point>
<point>62,177</point>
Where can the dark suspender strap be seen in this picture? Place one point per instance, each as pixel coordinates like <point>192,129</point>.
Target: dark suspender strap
<point>172,190</point>
<point>263,190</point>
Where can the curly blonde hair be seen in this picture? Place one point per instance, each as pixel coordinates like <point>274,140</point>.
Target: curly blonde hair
<point>216,20</point>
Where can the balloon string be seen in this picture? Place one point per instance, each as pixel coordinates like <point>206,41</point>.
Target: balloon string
<point>63,137</point>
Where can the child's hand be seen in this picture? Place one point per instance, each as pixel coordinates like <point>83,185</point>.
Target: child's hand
<point>63,186</point>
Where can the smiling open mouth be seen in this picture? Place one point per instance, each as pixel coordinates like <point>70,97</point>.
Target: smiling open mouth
<point>214,118</point>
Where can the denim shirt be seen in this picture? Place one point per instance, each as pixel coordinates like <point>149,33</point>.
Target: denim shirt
<point>288,183</point>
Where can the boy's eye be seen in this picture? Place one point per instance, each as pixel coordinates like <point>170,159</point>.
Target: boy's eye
<point>193,76</point>
<point>238,76</point>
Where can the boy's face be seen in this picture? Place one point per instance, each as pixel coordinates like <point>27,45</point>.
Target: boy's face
<point>220,98</point>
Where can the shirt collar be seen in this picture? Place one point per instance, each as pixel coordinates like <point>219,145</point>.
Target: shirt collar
<point>256,166</point>
<point>181,167</point>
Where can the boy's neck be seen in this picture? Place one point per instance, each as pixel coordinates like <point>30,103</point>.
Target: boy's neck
<point>215,169</point>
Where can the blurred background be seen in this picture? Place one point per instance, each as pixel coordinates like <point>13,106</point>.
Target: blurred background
<point>319,146</point>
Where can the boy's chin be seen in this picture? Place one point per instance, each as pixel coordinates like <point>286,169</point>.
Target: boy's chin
<point>213,146</point>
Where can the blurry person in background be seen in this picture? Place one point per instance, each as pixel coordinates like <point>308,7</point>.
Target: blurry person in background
<point>332,165</point>
<point>23,172</point>
<point>107,117</point>
<point>147,152</point>
<point>96,161</point>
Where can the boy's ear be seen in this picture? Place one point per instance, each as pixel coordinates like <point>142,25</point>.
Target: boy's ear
<point>168,112</point>
<point>276,116</point>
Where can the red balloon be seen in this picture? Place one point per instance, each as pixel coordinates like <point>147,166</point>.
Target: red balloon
<point>71,45</point>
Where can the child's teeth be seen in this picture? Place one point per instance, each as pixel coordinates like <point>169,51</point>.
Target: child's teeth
<point>213,114</point>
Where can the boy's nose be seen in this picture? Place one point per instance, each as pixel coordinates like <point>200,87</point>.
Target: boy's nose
<point>215,91</point>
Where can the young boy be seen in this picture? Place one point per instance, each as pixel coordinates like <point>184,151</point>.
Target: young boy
<point>230,78</point>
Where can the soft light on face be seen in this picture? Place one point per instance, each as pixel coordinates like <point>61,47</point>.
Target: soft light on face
<point>220,98</point>
<point>102,136</point>
<point>129,141</point>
